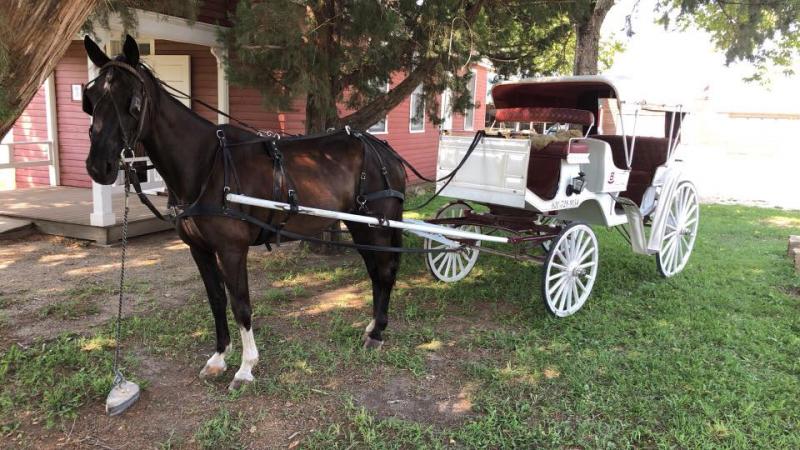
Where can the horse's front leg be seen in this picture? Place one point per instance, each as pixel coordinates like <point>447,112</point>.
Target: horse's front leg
<point>382,268</point>
<point>233,263</point>
<point>212,279</point>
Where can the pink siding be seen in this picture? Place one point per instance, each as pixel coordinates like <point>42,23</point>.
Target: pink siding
<point>203,73</point>
<point>32,126</point>
<point>73,123</point>
<point>419,148</point>
<point>245,105</point>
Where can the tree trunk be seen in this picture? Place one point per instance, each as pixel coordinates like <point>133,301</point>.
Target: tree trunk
<point>587,38</point>
<point>319,116</point>
<point>34,36</point>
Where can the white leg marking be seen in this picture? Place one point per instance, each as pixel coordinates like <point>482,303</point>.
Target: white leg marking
<point>370,327</point>
<point>249,355</point>
<point>217,360</point>
<point>215,365</point>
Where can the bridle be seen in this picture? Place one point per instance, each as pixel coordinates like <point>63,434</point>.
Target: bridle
<point>139,102</point>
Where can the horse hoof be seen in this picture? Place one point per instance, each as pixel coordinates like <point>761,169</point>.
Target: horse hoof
<point>211,372</point>
<point>372,344</point>
<point>238,383</point>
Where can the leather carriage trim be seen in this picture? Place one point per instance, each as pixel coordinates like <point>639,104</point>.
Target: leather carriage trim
<point>560,115</point>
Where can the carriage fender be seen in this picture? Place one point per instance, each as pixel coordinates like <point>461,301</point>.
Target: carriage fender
<point>669,179</point>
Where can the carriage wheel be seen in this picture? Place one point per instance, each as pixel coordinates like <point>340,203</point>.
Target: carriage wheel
<point>452,266</point>
<point>680,230</point>
<point>570,270</point>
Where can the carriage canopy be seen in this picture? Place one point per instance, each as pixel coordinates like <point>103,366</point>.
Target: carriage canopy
<point>576,92</point>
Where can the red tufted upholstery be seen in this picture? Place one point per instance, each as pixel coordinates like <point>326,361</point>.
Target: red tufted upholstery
<point>562,148</point>
<point>544,167</point>
<point>648,154</point>
<point>559,115</point>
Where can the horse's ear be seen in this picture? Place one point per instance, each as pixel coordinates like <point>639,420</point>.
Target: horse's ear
<point>96,55</point>
<point>131,50</point>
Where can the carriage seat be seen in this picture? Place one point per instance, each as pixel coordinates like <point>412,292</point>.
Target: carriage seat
<point>544,166</point>
<point>561,149</point>
<point>649,153</point>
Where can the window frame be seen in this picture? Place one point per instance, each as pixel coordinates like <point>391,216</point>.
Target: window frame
<point>411,110</point>
<point>474,82</point>
<point>385,118</point>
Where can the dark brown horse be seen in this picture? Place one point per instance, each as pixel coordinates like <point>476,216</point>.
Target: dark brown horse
<point>129,105</point>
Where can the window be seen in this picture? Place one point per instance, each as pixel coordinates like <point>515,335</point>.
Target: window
<point>146,47</point>
<point>416,118</point>
<point>469,114</point>
<point>447,110</point>
<point>381,126</point>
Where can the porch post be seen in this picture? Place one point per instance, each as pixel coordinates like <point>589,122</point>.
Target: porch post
<point>102,206</point>
<point>223,101</point>
<point>52,128</point>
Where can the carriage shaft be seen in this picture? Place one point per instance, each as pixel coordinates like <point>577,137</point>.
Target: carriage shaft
<point>411,226</point>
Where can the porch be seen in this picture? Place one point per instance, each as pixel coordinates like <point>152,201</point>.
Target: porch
<point>65,211</point>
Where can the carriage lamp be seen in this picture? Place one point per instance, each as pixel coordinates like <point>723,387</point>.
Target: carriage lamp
<point>577,183</point>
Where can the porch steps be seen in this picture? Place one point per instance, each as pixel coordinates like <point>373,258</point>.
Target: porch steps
<point>11,228</point>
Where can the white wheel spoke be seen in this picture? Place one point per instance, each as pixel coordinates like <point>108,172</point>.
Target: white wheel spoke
<point>580,283</point>
<point>566,296</point>
<point>585,265</point>
<point>558,275</point>
<point>586,255</point>
<point>561,257</point>
<point>460,261</point>
<point>558,266</point>
<point>561,281</point>
<point>436,258</point>
<point>558,294</point>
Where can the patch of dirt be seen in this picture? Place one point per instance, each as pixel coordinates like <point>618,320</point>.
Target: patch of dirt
<point>436,398</point>
<point>41,271</point>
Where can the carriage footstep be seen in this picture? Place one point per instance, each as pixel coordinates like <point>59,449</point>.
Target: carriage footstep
<point>372,344</point>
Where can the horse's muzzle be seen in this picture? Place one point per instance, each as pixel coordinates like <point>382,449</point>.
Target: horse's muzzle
<point>102,172</point>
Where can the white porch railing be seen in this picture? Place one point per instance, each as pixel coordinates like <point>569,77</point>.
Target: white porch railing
<point>10,157</point>
<point>102,203</point>
<point>154,181</point>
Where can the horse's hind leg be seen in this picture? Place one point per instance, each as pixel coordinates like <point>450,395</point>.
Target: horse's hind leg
<point>382,268</point>
<point>212,279</point>
<point>234,270</point>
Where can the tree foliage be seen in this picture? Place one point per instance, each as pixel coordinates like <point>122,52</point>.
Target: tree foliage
<point>762,32</point>
<point>341,52</point>
<point>33,37</point>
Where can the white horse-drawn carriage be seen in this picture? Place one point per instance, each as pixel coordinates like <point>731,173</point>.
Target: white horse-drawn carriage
<point>547,196</point>
<point>542,200</point>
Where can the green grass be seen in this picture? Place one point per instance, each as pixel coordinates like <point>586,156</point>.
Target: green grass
<point>53,379</point>
<point>220,432</point>
<point>707,359</point>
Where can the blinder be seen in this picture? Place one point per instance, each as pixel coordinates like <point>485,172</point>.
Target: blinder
<point>87,105</point>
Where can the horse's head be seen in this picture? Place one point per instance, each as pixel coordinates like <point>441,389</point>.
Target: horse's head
<point>118,101</point>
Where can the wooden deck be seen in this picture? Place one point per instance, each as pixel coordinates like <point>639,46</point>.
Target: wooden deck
<point>64,211</point>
